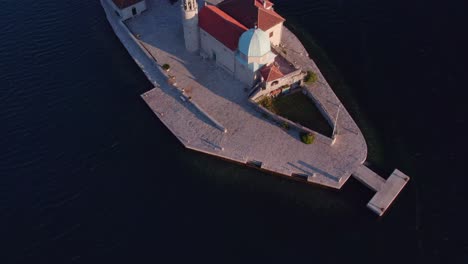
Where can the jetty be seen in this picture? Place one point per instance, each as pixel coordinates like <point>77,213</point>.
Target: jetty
<point>386,190</point>
<point>209,112</point>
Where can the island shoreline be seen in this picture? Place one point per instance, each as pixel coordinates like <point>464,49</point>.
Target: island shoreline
<point>325,175</point>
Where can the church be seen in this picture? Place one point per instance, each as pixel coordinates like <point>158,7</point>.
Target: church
<point>239,35</point>
<point>242,36</point>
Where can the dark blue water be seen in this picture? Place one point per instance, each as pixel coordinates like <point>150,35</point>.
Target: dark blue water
<point>89,175</point>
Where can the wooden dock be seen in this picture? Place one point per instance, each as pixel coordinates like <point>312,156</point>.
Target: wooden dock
<point>387,190</point>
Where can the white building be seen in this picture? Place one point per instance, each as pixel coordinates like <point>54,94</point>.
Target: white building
<point>238,36</point>
<point>190,25</point>
<point>128,8</point>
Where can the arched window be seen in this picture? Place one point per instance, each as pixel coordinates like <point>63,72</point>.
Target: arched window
<point>274,83</point>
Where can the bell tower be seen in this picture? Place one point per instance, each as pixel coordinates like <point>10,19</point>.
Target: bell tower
<point>190,24</point>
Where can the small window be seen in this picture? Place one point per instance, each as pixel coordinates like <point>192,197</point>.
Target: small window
<point>271,34</point>
<point>274,83</point>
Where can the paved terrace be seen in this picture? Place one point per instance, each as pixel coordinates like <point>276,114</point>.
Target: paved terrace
<point>217,99</point>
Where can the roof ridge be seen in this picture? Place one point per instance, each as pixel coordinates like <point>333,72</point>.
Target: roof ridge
<point>271,12</point>
<point>270,72</point>
<point>221,26</point>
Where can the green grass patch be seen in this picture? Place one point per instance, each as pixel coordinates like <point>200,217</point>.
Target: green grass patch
<point>310,77</point>
<point>298,108</point>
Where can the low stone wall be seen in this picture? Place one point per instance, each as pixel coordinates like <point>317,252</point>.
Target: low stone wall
<point>122,25</point>
<point>320,107</point>
<point>289,79</point>
<point>142,47</point>
<point>281,120</point>
<point>216,123</point>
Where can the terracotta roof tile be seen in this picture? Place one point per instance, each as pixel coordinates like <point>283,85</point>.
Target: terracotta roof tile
<point>270,73</point>
<point>221,26</point>
<point>252,13</point>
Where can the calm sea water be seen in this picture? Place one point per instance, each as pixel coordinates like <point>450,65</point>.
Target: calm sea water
<point>89,175</point>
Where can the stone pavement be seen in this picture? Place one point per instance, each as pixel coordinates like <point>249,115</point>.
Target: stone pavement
<point>218,99</point>
<point>249,136</point>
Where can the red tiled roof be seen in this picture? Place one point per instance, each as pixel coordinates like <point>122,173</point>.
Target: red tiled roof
<point>275,92</point>
<point>270,73</point>
<point>251,13</point>
<point>268,4</point>
<point>221,26</point>
<point>125,3</point>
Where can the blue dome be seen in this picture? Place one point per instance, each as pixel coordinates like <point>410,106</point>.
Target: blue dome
<point>254,43</point>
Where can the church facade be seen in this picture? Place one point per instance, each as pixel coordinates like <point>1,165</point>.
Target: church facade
<point>239,35</point>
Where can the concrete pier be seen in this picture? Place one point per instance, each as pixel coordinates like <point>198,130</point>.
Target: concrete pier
<point>386,190</point>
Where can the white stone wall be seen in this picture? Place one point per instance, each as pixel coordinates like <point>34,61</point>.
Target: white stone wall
<point>244,74</point>
<point>127,13</point>
<point>191,29</point>
<point>224,56</point>
<point>265,59</point>
<point>277,32</point>
<point>289,79</point>
<point>286,80</point>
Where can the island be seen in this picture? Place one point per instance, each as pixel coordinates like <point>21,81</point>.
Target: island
<point>231,81</point>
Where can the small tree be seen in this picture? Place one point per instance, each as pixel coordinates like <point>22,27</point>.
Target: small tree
<point>310,77</point>
<point>166,66</point>
<point>307,138</point>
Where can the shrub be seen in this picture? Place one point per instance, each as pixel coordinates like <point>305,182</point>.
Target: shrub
<point>267,102</point>
<point>307,138</point>
<point>310,77</point>
<point>166,66</point>
<point>285,125</point>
